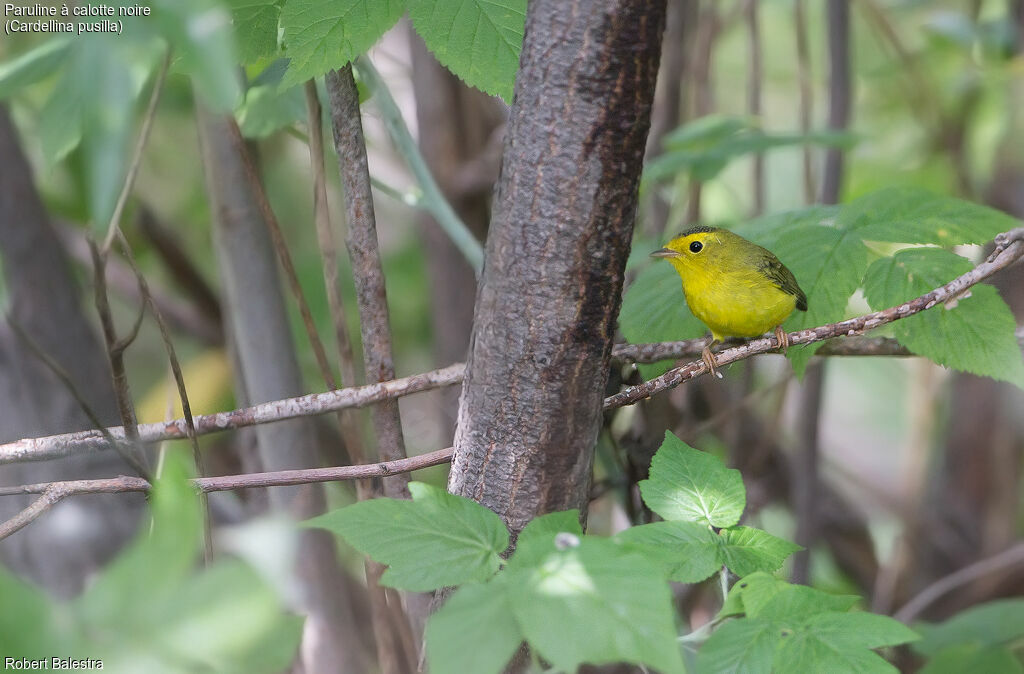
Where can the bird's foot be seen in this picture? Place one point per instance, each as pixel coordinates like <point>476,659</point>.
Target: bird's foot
<point>783,338</point>
<point>709,361</point>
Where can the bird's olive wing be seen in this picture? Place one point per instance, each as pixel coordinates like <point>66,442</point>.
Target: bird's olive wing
<point>779,274</point>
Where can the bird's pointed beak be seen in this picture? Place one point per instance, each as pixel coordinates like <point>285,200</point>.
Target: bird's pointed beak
<point>665,252</point>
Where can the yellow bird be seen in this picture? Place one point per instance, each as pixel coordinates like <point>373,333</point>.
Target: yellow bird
<point>734,286</point>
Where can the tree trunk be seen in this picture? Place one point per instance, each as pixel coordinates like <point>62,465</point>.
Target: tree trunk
<point>563,216</point>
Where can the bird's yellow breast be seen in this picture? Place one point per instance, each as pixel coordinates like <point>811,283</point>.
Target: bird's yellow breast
<point>735,302</point>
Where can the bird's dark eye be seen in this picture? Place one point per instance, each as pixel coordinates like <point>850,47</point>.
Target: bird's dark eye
<point>696,247</point>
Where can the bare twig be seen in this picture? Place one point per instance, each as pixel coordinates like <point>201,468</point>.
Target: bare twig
<point>56,446</point>
<point>1007,559</point>
<point>1009,248</point>
<point>687,348</point>
<point>136,162</point>
<point>53,492</point>
<point>179,380</point>
<point>363,250</point>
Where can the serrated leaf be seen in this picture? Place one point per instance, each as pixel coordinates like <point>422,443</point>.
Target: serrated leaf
<point>256,27</point>
<point>805,652</point>
<point>599,618</point>
<point>738,647</point>
<point>322,35</point>
<point>795,603</point>
<point>976,334</point>
<point>973,658</point>
<point>689,552</point>
<point>478,40</point>
<point>746,550</point>
<point>858,630</point>
<point>538,537</point>
<point>474,631</point>
<point>749,594</point>
<point>990,624</point>
<point>915,215</point>
<point>32,66</point>
<point>435,540</point>
<point>829,265</point>
<point>687,484</point>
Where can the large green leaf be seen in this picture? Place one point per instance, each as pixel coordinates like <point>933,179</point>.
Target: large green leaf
<point>739,647</point>
<point>962,658</point>
<point>974,334</point>
<point>687,484</point>
<point>745,550</point>
<point>915,215</point>
<point>435,540</point>
<point>475,631</point>
<point>256,27</point>
<point>322,35</point>
<point>689,552</point>
<point>478,40</point>
<point>574,608</point>
<point>537,538</point>
<point>829,264</point>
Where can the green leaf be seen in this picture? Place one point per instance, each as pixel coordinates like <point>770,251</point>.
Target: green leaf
<point>975,334</point>
<point>433,541</point>
<point>322,35</point>
<point>27,627</point>
<point>687,484</point>
<point>255,27</point>
<point>478,40</point>
<point>805,652</point>
<point>858,630</point>
<point>537,539</point>
<point>829,264</point>
<point>750,594</point>
<point>689,552</point>
<point>32,66</point>
<point>267,109</point>
<point>990,624</point>
<point>574,608</point>
<point>475,631</point>
<point>973,658</point>
<point>746,550</point>
<point>796,603</point>
<point>739,647</point>
<point>706,146</point>
<point>204,47</point>
<point>915,215</point>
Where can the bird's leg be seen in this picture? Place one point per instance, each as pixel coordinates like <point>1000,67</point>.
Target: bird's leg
<point>709,359</point>
<point>783,338</point>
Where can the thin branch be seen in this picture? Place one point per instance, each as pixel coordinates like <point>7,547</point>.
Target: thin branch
<point>433,199</point>
<point>53,492</point>
<point>803,65</point>
<point>755,76</point>
<point>136,162</point>
<point>1007,559</point>
<point>690,348</point>
<point>56,446</point>
<point>179,380</point>
<point>1009,248</point>
<point>364,252</point>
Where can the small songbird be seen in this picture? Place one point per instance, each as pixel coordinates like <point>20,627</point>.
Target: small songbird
<point>734,286</point>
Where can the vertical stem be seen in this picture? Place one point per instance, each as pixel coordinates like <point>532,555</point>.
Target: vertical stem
<point>361,241</point>
<point>803,64</point>
<point>755,75</point>
<point>839,93</point>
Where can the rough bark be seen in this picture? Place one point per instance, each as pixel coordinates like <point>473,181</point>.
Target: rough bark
<point>255,308</point>
<point>531,402</point>
<point>66,546</point>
